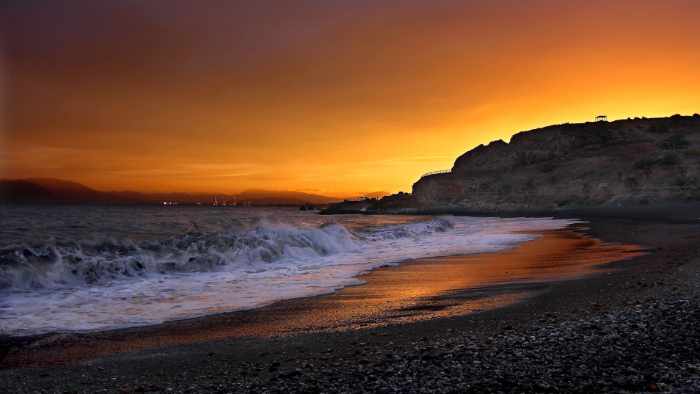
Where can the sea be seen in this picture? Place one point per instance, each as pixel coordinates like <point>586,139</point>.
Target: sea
<point>86,268</point>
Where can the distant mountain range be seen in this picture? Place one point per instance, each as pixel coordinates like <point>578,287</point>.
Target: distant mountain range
<point>49,190</point>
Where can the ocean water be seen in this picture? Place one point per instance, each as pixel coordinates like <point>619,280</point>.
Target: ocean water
<point>81,268</point>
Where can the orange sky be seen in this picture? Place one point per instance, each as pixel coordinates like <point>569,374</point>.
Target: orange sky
<point>334,97</point>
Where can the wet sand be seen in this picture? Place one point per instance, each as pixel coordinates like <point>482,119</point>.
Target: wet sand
<point>414,291</point>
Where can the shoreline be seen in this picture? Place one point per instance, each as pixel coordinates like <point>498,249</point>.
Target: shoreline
<point>382,299</point>
<point>665,213</point>
<point>329,360</point>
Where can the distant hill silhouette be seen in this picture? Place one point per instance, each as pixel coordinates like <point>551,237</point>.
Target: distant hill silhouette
<point>268,197</point>
<point>49,190</point>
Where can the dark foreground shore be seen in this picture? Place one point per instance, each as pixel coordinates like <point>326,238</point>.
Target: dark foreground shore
<point>634,329</point>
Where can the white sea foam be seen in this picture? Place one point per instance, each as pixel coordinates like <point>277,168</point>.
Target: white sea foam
<point>78,286</point>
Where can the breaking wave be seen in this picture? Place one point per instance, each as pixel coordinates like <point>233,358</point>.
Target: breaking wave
<point>59,265</point>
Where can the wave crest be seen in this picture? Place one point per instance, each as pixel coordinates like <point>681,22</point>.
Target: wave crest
<point>57,265</point>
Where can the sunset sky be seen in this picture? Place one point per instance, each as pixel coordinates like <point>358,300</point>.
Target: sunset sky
<point>328,96</point>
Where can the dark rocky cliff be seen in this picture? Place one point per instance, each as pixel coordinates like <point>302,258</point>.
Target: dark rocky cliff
<point>634,162</point>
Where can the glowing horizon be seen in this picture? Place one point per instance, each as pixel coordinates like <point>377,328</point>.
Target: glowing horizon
<point>320,97</point>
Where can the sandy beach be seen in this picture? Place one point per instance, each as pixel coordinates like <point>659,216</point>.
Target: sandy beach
<point>373,329</point>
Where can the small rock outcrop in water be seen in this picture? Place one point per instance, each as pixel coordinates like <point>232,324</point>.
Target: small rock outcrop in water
<point>396,203</point>
<point>625,163</point>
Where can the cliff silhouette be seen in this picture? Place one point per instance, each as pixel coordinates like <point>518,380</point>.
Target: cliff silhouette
<point>635,163</point>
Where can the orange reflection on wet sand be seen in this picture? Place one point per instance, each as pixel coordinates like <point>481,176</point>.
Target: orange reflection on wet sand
<point>446,286</point>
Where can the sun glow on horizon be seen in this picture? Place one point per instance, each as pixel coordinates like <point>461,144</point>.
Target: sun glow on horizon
<point>331,98</point>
